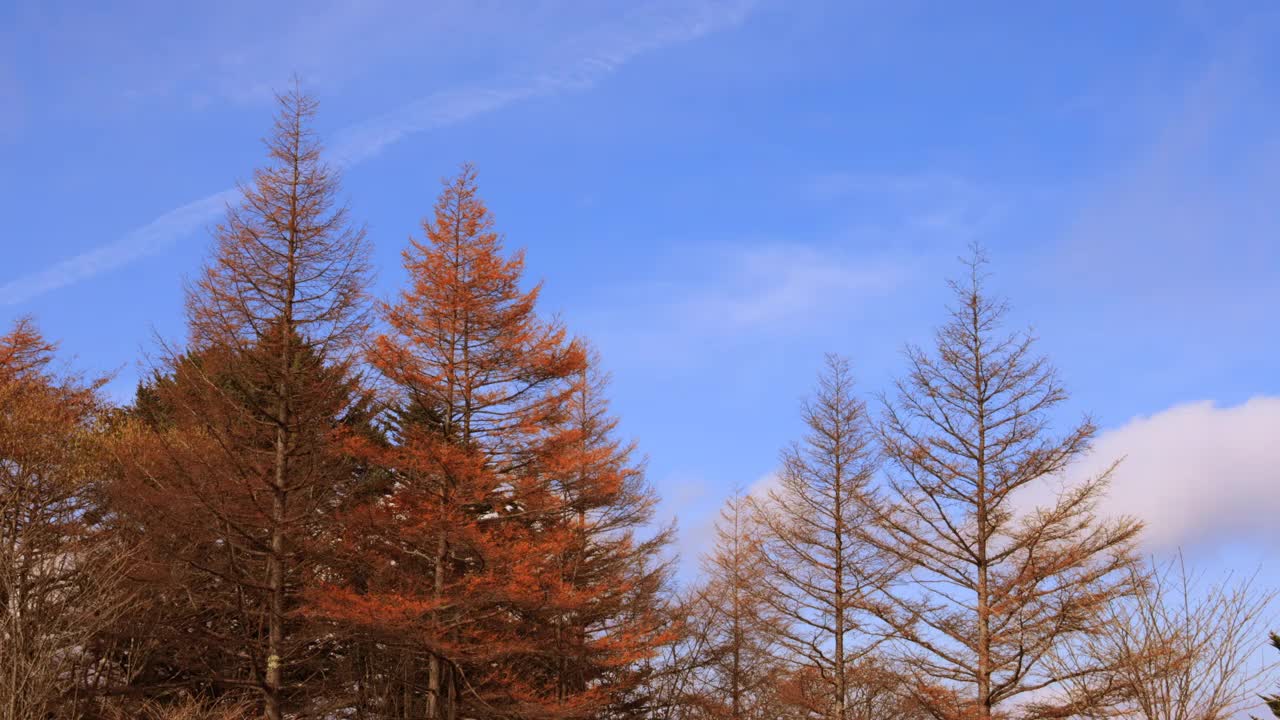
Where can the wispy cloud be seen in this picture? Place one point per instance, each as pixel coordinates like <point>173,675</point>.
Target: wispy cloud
<point>139,243</point>
<point>594,56</point>
<point>919,208</point>
<point>783,286</point>
<point>710,298</point>
<point>1203,173</point>
<point>588,59</point>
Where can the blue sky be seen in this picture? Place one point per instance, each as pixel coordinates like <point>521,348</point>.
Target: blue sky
<point>716,192</point>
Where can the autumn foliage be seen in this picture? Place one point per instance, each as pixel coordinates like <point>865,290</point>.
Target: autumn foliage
<point>62,580</point>
<point>321,505</point>
<point>503,544</point>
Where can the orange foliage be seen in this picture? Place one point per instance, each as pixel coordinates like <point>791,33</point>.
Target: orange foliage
<point>501,551</point>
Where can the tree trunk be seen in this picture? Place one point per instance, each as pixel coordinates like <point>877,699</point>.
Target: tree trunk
<point>842,678</point>
<point>983,518</point>
<point>435,668</point>
<point>275,565</point>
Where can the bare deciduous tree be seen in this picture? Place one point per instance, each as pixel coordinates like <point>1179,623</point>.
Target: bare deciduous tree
<point>1179,649</point>
<point>739,669</point>
<point>991,591</point>
<point>819,571</point>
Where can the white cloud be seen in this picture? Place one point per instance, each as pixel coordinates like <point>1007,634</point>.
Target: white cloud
<point>766,484</point>
<point>599,52</point>
<point>1195,472</point>
<point>698,513</point>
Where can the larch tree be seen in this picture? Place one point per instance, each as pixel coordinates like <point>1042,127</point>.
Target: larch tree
<point>233,458</point>
<point>879,689</point>
<point>605,615</point>
<point>739,668</point>
<point>62,578</point>
<point>992,589</point>
<point>819,570</point>
<point>460,552</point>
<point>675,686</point>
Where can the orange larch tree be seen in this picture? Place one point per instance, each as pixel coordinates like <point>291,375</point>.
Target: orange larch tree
<point>62,581</point>
<point>231,463</point>
<point>459,558</point>
<point>606,618</point>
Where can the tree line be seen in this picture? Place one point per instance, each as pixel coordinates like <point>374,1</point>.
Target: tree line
<point>324,505</point>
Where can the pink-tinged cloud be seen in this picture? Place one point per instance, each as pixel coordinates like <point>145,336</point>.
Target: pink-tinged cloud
<point>1195,473</point>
